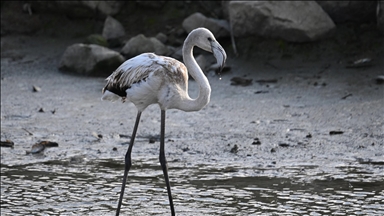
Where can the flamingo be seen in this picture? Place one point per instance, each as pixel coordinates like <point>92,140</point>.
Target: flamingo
<point>151,79</point>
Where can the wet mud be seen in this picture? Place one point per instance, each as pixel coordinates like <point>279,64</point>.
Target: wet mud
<point>302,137</point>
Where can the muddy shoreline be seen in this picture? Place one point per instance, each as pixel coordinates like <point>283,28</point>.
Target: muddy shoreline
<point>295,113</point>
<point>281,129</point>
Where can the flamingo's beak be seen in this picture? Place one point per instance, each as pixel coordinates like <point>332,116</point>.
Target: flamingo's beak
<point>219,54</point>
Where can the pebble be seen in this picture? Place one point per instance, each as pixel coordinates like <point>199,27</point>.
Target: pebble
<point>256,141</point>
<point>284,145</point>
<point>7,143</point>
<point>36,88</point>
<point>235,149</point>
<point>364,62</point>
<point>152,140</point>
<point>40,146</point>
<point>380,79</point>
<point>241,81</point>
<point>335,132</point>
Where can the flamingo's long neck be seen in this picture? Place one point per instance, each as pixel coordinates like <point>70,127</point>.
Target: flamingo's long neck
<point>194,69</point>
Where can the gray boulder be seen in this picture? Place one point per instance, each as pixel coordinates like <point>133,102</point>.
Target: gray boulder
<point>90,59</point>
<point>380,16</point>
<point>78,8</point>
<point>161,37</point>
<point>219,28</point>
<point>296,21</point>
<point>96,39</point>
<point>202,62</point>
<point>224,6</point>
<point>141,44</point>
<point>113,31</point>
<point>350,11</point>
<point>105,7</point>
<point>151,4</point>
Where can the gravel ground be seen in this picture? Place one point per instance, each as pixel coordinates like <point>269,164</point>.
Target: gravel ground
<point>285,118</point>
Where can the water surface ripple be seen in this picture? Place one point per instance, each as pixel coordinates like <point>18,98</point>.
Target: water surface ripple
<point>92,188</point>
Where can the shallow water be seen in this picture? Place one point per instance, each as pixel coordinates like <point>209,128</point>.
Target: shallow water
<point>81,187</point>
<point>321,174</point>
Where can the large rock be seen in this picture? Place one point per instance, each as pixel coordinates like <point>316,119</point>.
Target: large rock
<point>96,39</point>
<point>113,31</point>
<point>105,7</point>
<point>296,21</point>
<point>78,8</point>
<point>202,62</point>
<point>161,37</point>
<point>219,28</point>
<point>151,4</point>
<point>141,44</point>
<point>90,59</point>
<point>380,16</point>
<point>350,11</point>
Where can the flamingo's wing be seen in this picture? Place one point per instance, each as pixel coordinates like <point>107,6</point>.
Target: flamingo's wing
<point>130,72</point>
<point>138,69</point>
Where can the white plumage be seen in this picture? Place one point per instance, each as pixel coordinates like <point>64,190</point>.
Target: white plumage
<point>148,79</point>
<point>151,79</point>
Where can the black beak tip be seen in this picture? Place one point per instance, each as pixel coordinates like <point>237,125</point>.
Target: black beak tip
<point>222,66</point>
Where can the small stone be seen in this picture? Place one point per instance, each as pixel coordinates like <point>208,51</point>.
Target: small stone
<point>40,146</point>
<point>261,92</point>
<point>7,143</point>
<point>77,159</point>
<point>36,88</point>
<point>235,149</point>
<point>380,79</point>
<point>98,136</point>
<point>49,144</point>
<point>266,81</point>
<point>335,132</point>
<point>241,81</point>
<point>152,140</point>
<point>345,97</point>
<point>284,145</point>
<point>256,141</point>
<point>364,62</point>
<point>36,148</point>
